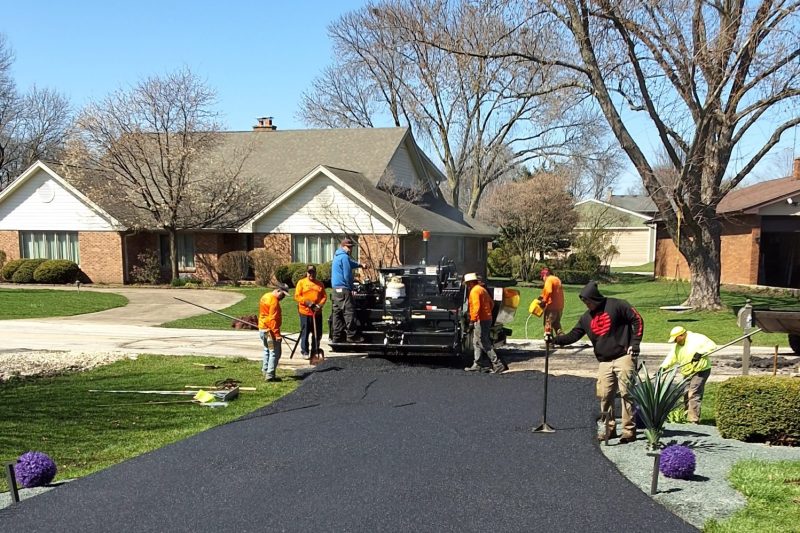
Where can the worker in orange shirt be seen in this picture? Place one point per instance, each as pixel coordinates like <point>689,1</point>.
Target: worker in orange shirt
<point>269,329</point>
<point>552,299</point>
<point>480,307</point>
<point>310,296</point>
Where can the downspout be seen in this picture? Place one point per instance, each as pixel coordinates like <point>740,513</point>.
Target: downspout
<point>125,268</point>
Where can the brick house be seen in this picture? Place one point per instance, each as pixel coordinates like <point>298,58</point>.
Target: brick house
<point>760,242</point>
<point>373,184</point>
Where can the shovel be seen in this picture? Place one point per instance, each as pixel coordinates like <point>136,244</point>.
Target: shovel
<point>319,356</point>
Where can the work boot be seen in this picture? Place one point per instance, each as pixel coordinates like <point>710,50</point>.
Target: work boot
<point>499,368</point>
<point>271,378</point>
<point>357,338</point>
<point>475,368</point>
<point>602,436</point>
<point>627,437</point>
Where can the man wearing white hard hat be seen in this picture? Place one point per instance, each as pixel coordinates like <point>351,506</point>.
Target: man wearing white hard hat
<point>689,353</point>
<point>480,307</point>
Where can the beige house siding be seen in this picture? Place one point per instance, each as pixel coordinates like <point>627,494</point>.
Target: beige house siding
<point>633,247</point>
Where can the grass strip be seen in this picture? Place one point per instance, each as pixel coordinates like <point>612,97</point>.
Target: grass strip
<point>41,303</point>
<point>85,432</point>
<point>773,498</point>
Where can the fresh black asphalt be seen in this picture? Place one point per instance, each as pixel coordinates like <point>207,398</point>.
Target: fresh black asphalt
<point>369,445</point>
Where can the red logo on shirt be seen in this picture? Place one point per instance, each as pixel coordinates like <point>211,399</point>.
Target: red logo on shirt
<point>601,324</point>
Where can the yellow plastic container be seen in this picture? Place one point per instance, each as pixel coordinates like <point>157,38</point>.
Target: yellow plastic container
<point>536,308</point>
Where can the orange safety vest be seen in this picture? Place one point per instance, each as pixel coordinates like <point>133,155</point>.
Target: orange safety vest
<point>552,294</point>
<point>309,290</point>
<point>480,304</point>
<point>269,314</point>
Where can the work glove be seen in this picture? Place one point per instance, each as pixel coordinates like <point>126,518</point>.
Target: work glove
<point>548,337</point>
<point>634,351</point>
<point>697,357</point>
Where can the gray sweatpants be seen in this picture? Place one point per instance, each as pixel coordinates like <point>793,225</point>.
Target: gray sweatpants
<point>482,343</point>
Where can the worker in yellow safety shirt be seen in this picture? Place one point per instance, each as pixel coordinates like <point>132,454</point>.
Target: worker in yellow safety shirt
<point>689,353</point>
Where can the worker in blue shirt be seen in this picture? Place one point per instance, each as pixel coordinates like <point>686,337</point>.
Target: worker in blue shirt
<point>344,311</point>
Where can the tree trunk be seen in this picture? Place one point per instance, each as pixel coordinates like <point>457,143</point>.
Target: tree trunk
<point>173,252</point>
<point>703,255</point>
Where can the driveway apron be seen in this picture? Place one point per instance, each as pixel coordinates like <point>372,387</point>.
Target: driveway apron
<point>367,445</point>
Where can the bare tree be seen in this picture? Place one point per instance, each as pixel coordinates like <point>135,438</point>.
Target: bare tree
<point>706,75</point>
<point>156,152</point>
<point>534,216</point>
<point>33,125</point>
<point>595,234</point>
<point>481,116</point>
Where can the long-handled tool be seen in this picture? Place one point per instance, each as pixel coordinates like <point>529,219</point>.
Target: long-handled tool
<point>231,317</point>
<point>718,348</point>
<point>319,355</point>
<point>544,427</point>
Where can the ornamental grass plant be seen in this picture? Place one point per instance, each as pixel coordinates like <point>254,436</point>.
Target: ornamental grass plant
<point>655,397</point>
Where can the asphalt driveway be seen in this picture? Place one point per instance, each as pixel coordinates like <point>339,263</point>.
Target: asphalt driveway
<point>367,445</point>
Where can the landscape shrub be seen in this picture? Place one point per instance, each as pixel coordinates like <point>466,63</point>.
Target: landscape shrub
<point>57,271</point>
<point>234,266</point>
<point>9,268</point>
<point>299,272</point>
<point>24,274</point>
<point>575,277</point>
<point>324,273</point>
<point>498,263</point>
<point>148,271</point>
<point>760,409</point>
<point>264,264</point>
<point>584,261</point>
<point>283,273</point>
<point>190,282</point>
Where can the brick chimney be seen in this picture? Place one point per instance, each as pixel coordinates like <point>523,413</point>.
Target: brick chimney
<point>264,124</point>
<point>796,169</point>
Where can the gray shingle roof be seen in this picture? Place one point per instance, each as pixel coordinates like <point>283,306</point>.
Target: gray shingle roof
<point>635,203</point>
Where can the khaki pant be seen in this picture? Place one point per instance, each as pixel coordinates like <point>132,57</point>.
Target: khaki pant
<point>552,318</point>
<point>613,376</point>
<point>694,395</point>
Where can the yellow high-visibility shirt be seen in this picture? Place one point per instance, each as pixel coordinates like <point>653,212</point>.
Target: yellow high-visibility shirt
<point>682,355</point>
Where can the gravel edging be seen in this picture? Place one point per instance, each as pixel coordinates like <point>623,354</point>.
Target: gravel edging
<point>709,494</point>
<point>52,363</point>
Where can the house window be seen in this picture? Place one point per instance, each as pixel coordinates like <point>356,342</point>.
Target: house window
<point>317,248</point>
<point>49,245</point>
<point>184,247</point>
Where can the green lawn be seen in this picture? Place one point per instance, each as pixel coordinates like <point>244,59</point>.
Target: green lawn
<point>773,498</point>
<point>36,303</point>
<point>646,294</point>
<point>84,432</point>
<point>647,267</point>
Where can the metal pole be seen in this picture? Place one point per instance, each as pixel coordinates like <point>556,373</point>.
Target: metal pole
<point>12,482</point>
<point>654,479</point>
<point>775,362</point>
<point>544,427</point>
<point>228,316</point>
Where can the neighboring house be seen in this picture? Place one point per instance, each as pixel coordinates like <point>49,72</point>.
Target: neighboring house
<point>374,185</point>
<point>626,219</point>
<point>760,242</point>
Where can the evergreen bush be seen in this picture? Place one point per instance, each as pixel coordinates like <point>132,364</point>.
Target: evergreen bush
<point>24,274</point>
<point>760,409</point>
<point>9,268</point>
<point>575,277</point>
<point>284,273</point>
<point>324,273</point>
<point>57,271</point>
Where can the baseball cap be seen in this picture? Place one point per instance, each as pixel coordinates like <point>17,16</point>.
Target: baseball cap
<point>284,288</point>
<point>676,332</point>
<point>347,242</point>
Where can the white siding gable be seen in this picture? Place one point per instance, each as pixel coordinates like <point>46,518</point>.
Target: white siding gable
<point>43,203</point>
<point>401,171</point>
<point>782,208</point>
<point>320,207</point>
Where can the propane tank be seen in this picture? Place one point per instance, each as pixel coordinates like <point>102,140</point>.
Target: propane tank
<point>395,290</point>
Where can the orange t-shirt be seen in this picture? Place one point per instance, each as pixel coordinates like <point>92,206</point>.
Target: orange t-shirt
<point>480,304</point>
<point>309,290</point>
<point>269,314</point>
<point>552,294</point>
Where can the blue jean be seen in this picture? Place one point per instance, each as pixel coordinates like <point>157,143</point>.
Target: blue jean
<point>271,357</point>
<point>306,329</point>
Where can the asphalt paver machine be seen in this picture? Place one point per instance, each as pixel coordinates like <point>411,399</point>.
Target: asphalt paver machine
<point>422,310</point>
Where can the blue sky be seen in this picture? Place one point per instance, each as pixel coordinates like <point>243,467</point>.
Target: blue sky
<point>259,56</point>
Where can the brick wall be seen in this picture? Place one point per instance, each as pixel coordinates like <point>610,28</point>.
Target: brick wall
<point>739,251</point>
<point>206,254</point>
<point>277,243</point>
<point>379,250</point>
<point>101,256</point>
<point>9,243</point>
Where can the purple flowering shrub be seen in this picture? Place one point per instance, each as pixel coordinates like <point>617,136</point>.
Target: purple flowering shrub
<point>34,469</point>
<point>677,462</point>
